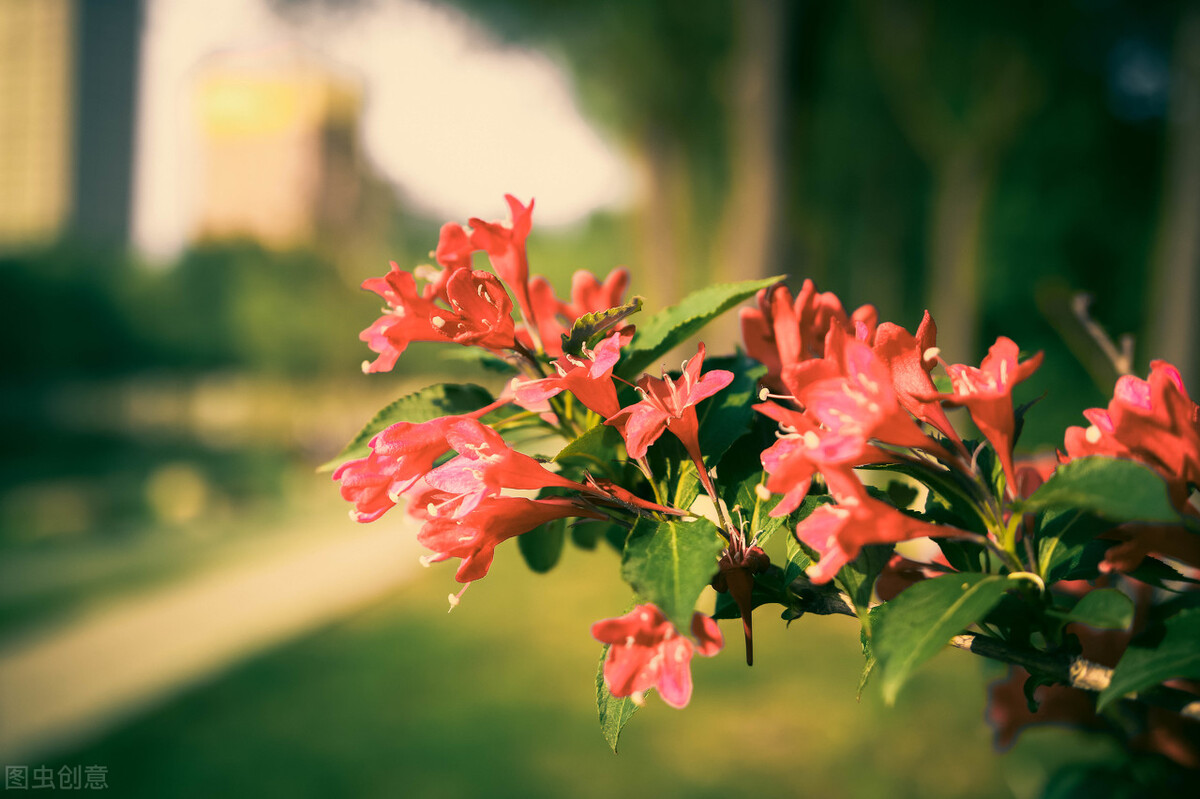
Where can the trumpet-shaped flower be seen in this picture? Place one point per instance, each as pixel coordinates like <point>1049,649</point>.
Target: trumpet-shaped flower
<point>484,466</point>
<point>669,404</point>
<point>839,532</point>
<point>646,651</point>
<point>480,314</point>
<point>783,331</point>
<point>910,358</point>
<point>1153,421</point>
<point>987,393</point>
<point>474,538</point>
<point>505,246</point>
<point>589,378</point>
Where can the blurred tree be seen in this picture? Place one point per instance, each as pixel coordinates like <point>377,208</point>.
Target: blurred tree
<point>1174,329</point>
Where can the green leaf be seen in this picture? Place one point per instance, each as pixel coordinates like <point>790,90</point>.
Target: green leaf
<point>798,560</point>
<point>869,662</point>
<point>1165,651</point>
<point>672,326</point>
<point>1066,549</point>
<point>594,450</point>
<point>725,416</point>
<point>542,546</point>
<point>1117,490</point>
<point>669,563</point>
<point>431,402</point>
<point>614,712</point>
<point>1103,608</point>
<point>857,578</point>
<point>591,326</point>
<point>917,624</point>
<point>675,476</point>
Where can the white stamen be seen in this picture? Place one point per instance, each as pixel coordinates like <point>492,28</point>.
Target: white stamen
<point>763,393</point>
<point>761,492</point>
<point>437,322</point>
<point>931,353</point>
<point>1092,434</point>
<point>811,439</point>
<point>366,367</point>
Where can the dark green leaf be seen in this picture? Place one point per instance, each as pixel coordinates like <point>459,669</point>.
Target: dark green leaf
<point>798,560</point>
<point>675,475</point>
<point>1117,490</point>
<point>1103,608</point>
<point>431,402</point>
<point>542,546</point>
<point>1067,545</point>
<point>1168,649</point>
<point>669,563</point>
<point>672,326</point>
<point>918,623</point>
<point>725,416</point>
<point>592,326</point>
<point>614,712</point>
<point>739,475</point>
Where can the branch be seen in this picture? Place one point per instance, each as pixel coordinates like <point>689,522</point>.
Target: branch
<point>1076,672</point>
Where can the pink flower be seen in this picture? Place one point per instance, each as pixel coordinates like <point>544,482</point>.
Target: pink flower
<point>1151,421</point>
<point>505,246</point>
<point>850,393</point>
<point>839,532</point>
<point>367,482</point>
<point>669,405</point>
<point>589,378</point>
<point>474,538</point>
<point>588,295</point>
<point>480,314</point>
<point>646,651</point>
<point>987,393</point>
<point>486,465</point>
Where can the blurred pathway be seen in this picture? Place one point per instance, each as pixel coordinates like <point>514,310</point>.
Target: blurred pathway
<point>72,681</point>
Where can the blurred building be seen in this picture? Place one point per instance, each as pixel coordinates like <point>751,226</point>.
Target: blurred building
<point>280,152</point>
<point>68,87</point>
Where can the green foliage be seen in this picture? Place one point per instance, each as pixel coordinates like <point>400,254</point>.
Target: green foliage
<point>725,416</point>
<point>1165,650</point>
<point>669,563</point>
<point>590,327</point>
<point>672,326</point>
<point>917,624</point>
<point>431,402</point>
<point>542,546</point>
<point>1118,490</point>
<point>614,711</point>
<point>1103,608</point>
<point>594,450</point>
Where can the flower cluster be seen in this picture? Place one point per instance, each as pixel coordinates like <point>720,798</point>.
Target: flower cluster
<point>832,431</point>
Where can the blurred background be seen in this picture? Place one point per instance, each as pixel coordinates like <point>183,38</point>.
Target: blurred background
<point>191,193</point>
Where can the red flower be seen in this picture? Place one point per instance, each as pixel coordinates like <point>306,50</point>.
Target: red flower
<point>910,359</point>
<point>486,465</point>
<point>1151,421</point>
<point>474,538</point>
<point>505,246</point>
<point>480,314</point>
<point>839,532</point>
<point>367,482</point>
<point>782,332</point>
<point>669,405</point>
<point>987,393</point>
<point>588,295</point>
<point>646,651</point>
<point>588,378</point>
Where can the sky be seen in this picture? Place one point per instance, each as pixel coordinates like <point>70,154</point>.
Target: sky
<point>453,117</point>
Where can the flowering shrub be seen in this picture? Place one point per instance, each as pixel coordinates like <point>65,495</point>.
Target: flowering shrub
<point>829,432</point>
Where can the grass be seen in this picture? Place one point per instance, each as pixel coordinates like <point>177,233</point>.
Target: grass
<point>497,700</point>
